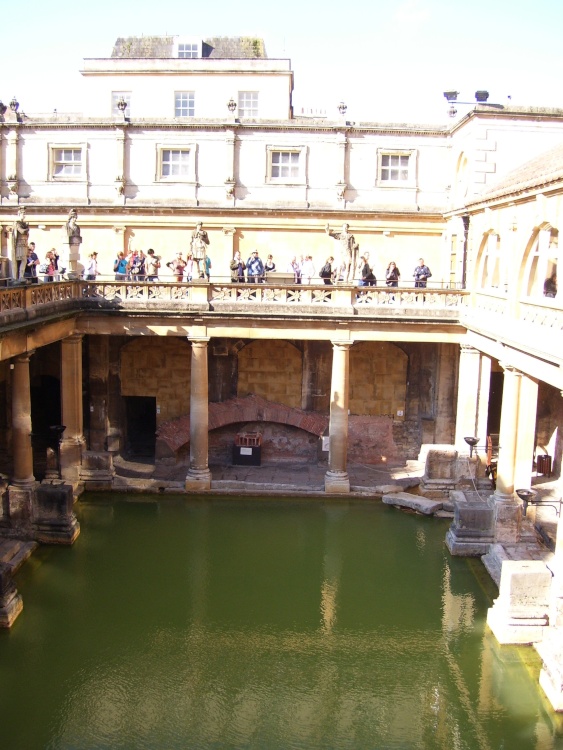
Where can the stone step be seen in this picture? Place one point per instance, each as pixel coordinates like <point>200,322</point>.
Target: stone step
<point>14,552</point>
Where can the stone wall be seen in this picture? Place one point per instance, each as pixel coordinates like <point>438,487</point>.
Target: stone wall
<point>160,367</point>
<point>378,380</point>
<point>271,369</point>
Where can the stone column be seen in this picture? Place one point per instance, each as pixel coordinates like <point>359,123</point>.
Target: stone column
<point>21,423</point>
<point>336,478</point>
<point>97,462</point>
<point>20,492</point>
<point>468,392</point>
<point>72,443</point>
<point>199,476</point>
<point>507,508</point>
<point>527,412</point>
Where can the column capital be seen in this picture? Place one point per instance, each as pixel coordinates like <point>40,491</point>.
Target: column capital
<point>343,344</point>
<point>24,356</point>
<point>199,340</point>
<point>468,349</point>
<point>510,369</point>
<point>229,231</point>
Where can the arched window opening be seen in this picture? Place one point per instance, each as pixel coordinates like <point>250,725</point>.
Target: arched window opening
<point>541,277</point>
<point>489,273</point>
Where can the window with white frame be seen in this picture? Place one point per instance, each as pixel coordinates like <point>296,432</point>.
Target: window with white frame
<point>176,163</point>
<point>248,104</point>
<point>396,168</point>
<point>188,50</point>
<point>117,96</point>
<point>184,104</point>
<point>286,165</point>
<point>67,162</point>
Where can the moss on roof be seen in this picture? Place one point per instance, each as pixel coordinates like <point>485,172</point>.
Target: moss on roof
<point>225,47</point>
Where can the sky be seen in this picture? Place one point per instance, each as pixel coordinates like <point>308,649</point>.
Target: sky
<point>388,61</point>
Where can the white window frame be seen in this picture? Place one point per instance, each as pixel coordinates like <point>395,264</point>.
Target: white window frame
<point>115,97</point>
<point>189,148</point>
<point>57,157</point>
<point>400,182</point>
<point>248,104</point>
<point>300,178</point>
<point>188,94</point>
<point>192,42</point>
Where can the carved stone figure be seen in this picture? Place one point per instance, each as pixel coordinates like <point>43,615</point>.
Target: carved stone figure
<point>198,245</point>
<point>20,239</point>
<point>72,228</point>
<point>348,248</point>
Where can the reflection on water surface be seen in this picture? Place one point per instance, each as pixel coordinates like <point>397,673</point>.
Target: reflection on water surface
<point>186,623</point>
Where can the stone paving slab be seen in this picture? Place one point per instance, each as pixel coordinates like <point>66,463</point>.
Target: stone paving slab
<point>413,502</point>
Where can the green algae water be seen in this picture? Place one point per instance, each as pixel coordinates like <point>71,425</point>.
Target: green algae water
<point>192,623</point>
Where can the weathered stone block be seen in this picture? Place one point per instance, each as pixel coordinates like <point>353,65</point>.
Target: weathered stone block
<point>53,514</point>
<point>472,530</point>
<point>413,502</point>
<point>520,613</point>
<point>11,603</point>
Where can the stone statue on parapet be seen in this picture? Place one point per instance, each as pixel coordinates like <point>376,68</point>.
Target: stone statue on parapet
<point>198,245</point>
<point>20,240</point>
<point>348,249</point>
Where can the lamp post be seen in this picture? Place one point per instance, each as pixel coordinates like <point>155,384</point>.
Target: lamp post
<point>528,498</point>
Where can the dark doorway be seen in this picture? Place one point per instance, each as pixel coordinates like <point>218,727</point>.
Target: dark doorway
<point>45,412</point>
<point>141,425</point>
<point>495,403</point>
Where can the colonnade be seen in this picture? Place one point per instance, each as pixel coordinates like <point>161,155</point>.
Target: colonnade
<point>198,475</point>
<point>516,439</point>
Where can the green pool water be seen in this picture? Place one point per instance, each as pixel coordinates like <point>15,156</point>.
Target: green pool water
<point>276,624</point>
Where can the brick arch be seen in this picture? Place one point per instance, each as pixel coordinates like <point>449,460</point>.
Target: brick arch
<point>176,432</point>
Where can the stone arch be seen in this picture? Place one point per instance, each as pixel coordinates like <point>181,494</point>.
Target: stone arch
<point>488,266</point>
<point>271,369</point>
<point>252,408</point>
<point>540,260</point>
<point>378,386</point>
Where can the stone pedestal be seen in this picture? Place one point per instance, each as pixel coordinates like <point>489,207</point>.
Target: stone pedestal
<point>97,470</point>
<point>521,612</point>
<point>53,516</point>
<point>20,505</point>
<point>507,518</point>
<point>472,530</point>
<point>11,603</point>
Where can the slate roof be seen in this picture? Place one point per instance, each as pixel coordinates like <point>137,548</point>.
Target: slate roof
<point>222,47</point>
<point>539,172</point>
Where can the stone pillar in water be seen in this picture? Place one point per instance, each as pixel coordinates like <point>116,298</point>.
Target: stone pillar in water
<point>336,478</point>
<point>507,508</point>
<point>198,476</point>
<point>72,443</point>
<point>20,491</point>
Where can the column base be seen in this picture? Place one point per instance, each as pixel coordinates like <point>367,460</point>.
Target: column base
<point>97,470</point>
<point>198,480</point>
<point>337,482</point>
<point>11,603</point>
<point>71,459</point>
<point>507,518</point>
